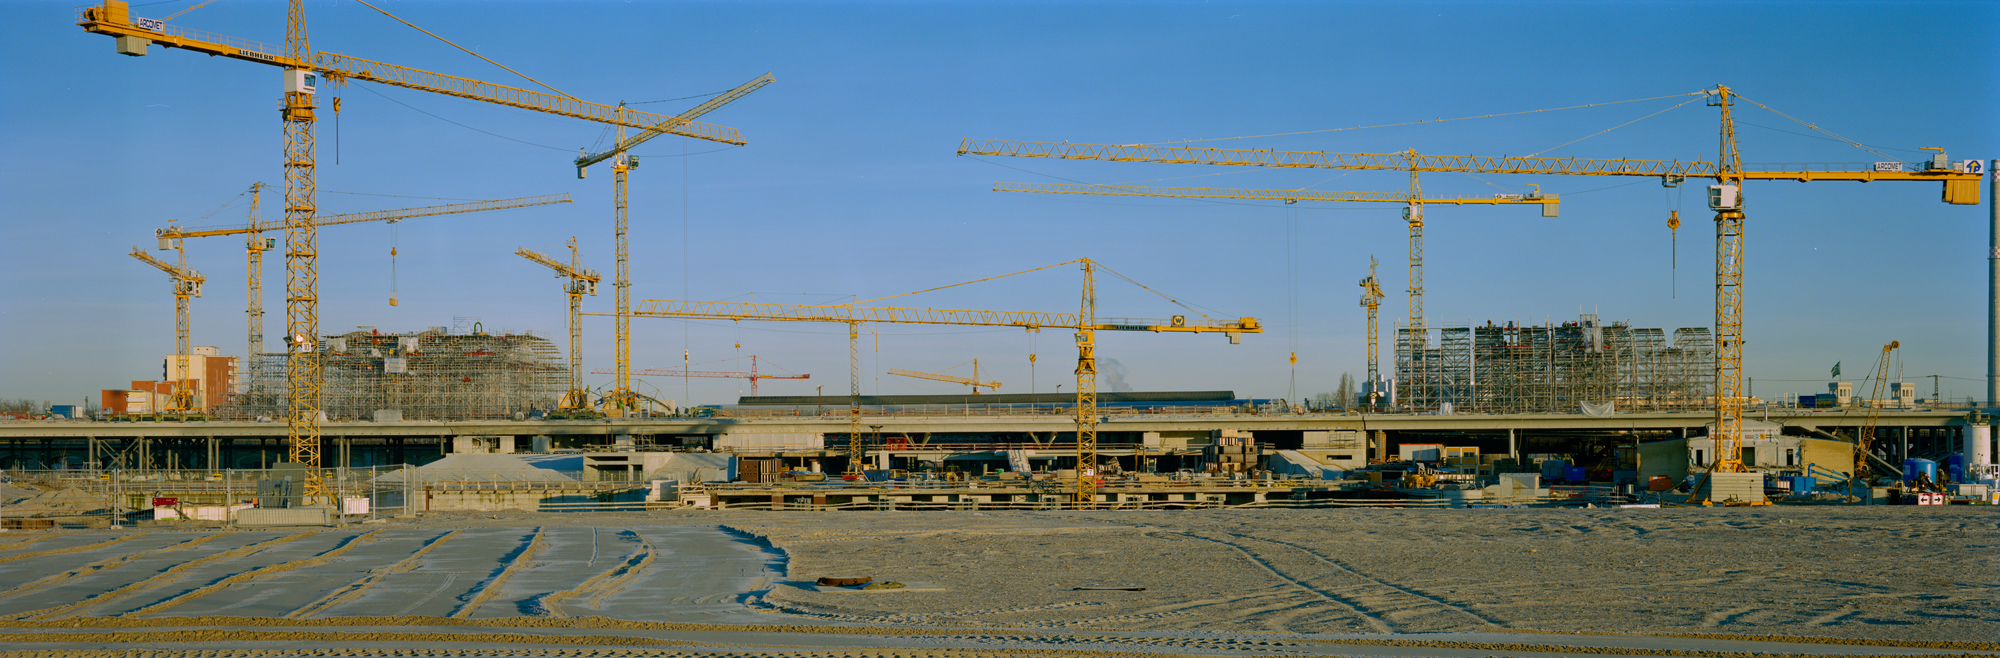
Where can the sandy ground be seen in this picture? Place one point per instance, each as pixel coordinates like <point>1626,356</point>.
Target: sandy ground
<point>1869,572</point>
<point>1000,580</point>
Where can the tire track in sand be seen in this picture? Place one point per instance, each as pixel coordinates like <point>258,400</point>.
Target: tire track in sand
<point>1353,607</point>
<point>1482,619</point>
<point>73,549</point>
<point>316,560</point>
<point>485,590</point>
<point>603,584</point>
<point>101,565</point>
<point>354,589</point>
<point>169,575</point>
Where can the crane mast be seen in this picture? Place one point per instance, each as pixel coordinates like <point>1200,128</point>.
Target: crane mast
<point>303,375</point>
<point>1725,197</point>
<point>253,285</point>
<point>186,283</point>
<point>581,282</point>
<point>1371,298</point>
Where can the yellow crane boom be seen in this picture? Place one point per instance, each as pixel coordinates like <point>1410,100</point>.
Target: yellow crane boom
<point>114,19</point>
<point>972,381</point>
<point>581,282</point>
<point>1550,203</point>
<point>186,283</point>
<point>171,233</point>
<point>583,162</point>
<point>303,69</point>
<point>1960,188</point>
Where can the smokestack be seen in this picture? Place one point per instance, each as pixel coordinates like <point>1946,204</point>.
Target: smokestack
<point>1993,283</point>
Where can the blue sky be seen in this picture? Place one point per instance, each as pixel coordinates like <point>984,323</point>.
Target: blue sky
<point>849,185</point>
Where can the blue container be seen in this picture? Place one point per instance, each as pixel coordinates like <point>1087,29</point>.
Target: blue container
<point>1804,484</point>
<point>1575,474</point>
<point>1807,402</point>
<point>1954,467</point>
<point>1914,467</point>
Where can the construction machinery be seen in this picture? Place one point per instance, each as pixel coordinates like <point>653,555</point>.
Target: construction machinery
<point>186,283</point>
<point>255,244</point>
<point>1413,215</point>
<point>1084,322</point>
<point>622,398</point>
<point>1371,298</point>
<point>1864,442</point>
<point>581,282</point>
<point>1960,182</point>
<point>972,381</point>
<point>753,376</point>
<point>303,68</point>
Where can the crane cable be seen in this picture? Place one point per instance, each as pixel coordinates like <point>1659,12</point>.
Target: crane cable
<point>1703,92</point>
<point>1817,129</point>
<point>413,26</point>
<point>393,230</point>
<point>1292,297</point>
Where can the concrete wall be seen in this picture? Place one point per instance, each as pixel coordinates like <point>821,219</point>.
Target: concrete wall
<point>523,501</point>
<point>1833,455</point>
<point>1668,458</point>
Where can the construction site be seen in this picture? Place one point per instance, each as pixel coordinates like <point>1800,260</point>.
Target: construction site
<point>1572,367</point>
<point>429,375</point>
<point>410,477</point>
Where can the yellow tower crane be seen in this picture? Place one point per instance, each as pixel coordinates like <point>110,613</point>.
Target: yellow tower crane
<point>972,381</point>
<point>622,398</point>
<point>1413,212</point>
<point>1725,197</point>
<point>257,244</point>
<point>303,69</point>
<point>187,283</point>
<point>1085,322</point>
<point>581,282</point>
<point>1371,298</point>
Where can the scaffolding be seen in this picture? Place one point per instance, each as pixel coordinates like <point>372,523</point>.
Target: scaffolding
<point>437,374</point>
<point>1554,368</point>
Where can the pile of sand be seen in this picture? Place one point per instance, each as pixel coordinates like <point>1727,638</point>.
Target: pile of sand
<point>480,467</point>
<point>11,493</point>
<point>59,502</point>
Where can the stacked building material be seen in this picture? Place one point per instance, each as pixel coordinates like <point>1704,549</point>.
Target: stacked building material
<point>1231,451</point>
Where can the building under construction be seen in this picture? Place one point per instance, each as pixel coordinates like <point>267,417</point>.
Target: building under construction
<point>1554,368</point>
<point>430,375</point>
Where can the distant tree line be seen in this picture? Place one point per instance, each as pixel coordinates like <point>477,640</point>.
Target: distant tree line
<point>23,407</point>
<point>1339,399</point>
